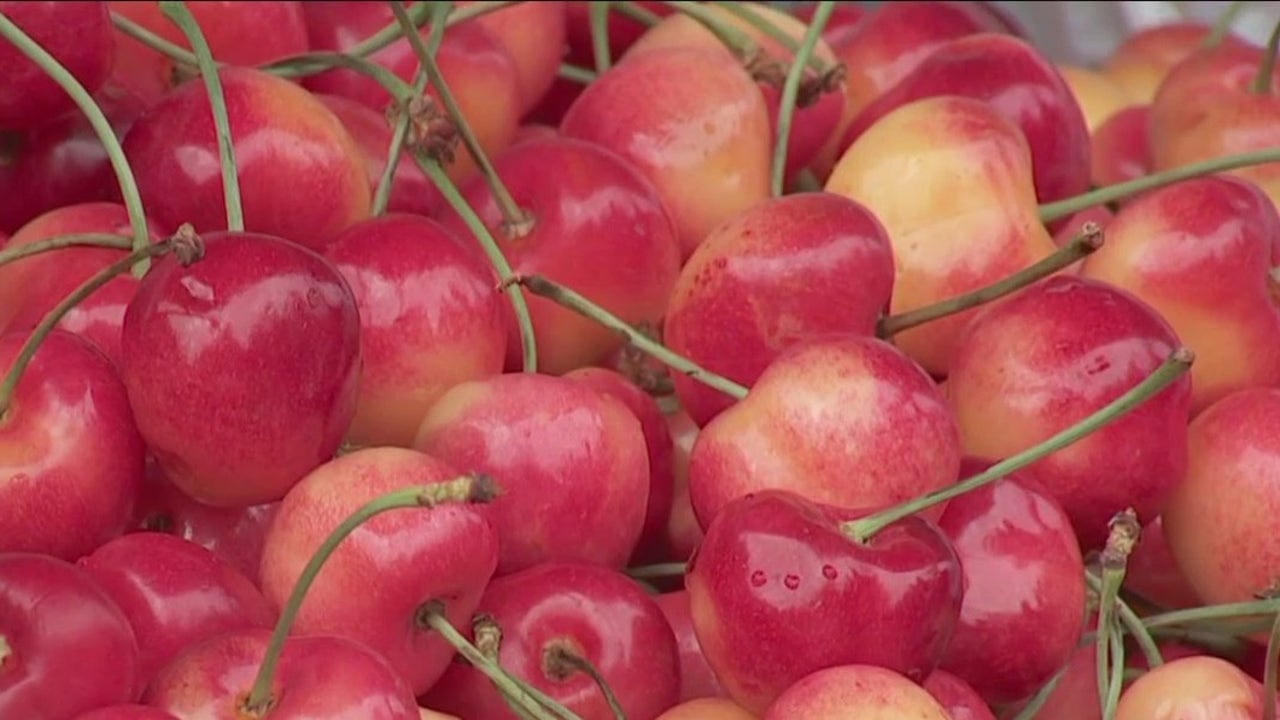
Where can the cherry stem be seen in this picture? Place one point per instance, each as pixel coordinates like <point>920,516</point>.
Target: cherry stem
<point>382,195</point>
<point>1037,701</point>
<point>571,299</point>
<point>1269,672</point>
<point>1174,367</point>
<point>1124,533</point>
<point>177,12</point>
<point>658,570</point>
<point>504,681</point>
<point>791,86</point>
<point>599,13</point>
<point>529,342</point>
<point>101,240</point>
<point>473,488</point>
<point>1262,81</point>
<point>561,660</point>
<point>173,51</point>
<point>747,50</point>
<point>580,75</point>
<point>488,640</point>
<point>1132,623</point>
<point>1059,209</point>
<point>634,11</point>
<point>320,61</point>
<point>777,34</point>
<point>9,385</point>
<point>101,128</point>
<point>1087,241</point>
<point>1223,26</point>
<point>516,222</point>
<point>1206,613</point>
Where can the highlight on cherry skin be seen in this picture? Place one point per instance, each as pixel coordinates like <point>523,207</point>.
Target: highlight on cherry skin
<point>471,360</point>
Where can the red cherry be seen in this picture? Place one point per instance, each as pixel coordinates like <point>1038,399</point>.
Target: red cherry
<point>76,34</point>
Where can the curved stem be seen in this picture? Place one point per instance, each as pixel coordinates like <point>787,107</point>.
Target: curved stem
<point>174,52</point>
<point>1132,624</point>
<point>1063,208</point>
<point>102,240</point>
<point>465,489</point>
<point>637,12</point>
<point>437,175</point>
<point>570,299</point>
<point>312,63</point>
<point>1086,242</point>
<point>580,75</point>
<point>505,683</point>
<point>777,34</point>
<point>516,222</point>
<point>739,42</point>
<point>1174,367</point>
<point>177,12</point>
<point>1224,23</point>
<point>101,128</point>
<point>791,89</point>
<point>382,195</point>
<point>9,385</point>
<point>1124,532</point>
<point>1262,81</point>
<point>599,12</point>
<point>1225,611</point>
<point>1115,678</point>
<point>562,658</point>
<point>659,570</point>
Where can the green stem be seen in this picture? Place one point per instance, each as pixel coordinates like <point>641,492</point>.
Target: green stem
<point>516,222</point>
<point>1269,672</point>
<point>1132,623</point>
<point>570,299</point>
<point>1115,678</point>
<point>174,52</point>
<point>1174,367</point>
<point>1262,81</point>
<point>1124,532</point>
<point>791,88</point>
<point>9,385</point>
<point>599,12</point>
<point>312,63</point>
<point>747,50</point>
<point>101,240</point>
<point>382,196</point>
<point>568,661</point>
<point>1225,611</point>
<point>1085,243</point>
<point>177,12</point>
<point>637,12</point>
<point>437,175</point>
<point>777,34</point>
<point>101,128</point>
<point>1037,701</point>
<point>464,489</point>
<point>1224,23</point>
<point>659,570</point>
<point>499,677</point>
<point>1059,209</point>
<point>580,75</point>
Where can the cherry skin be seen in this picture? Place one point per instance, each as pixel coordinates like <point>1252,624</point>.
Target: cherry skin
<point>302,177</point>
<point>771,276</point>
<point>957,697</point>
<point>175,594</point>
<point>684,532</point>
<point>429,319</point>
<point>707,709</point>
<point>697,680</point>
<point>1049,356</point>
<point>319,676</point>
<point>777,591</point>
<point>127,712</point>
<point>535,35</point>
<point>652,546</point>
<point>31,287</point>
<point>413,557</point>
<point>1024,580</point>
<point>594,613</point>
<point>600,227</point>
<point>56,623</point>
<point>71,458</point>
<point>76,34</point>
<point>1119,151</point>
<point>1189,687</point>
<point>855,692</point>
<point>242,368</point>
<point>233,534</point>
<point>571,462</point>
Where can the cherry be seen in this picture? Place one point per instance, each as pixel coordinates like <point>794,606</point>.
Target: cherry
<point>77,34</point>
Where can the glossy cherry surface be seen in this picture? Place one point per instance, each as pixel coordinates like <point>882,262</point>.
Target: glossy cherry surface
<point>242,367</point>
<point>958,697</point>
<point>71,458</point>
<point>777,591</point>
<point>697,680</point>
<point>1024,597</point>
<point>175,594</point>
<point>56,623</point>
<point>596,613</point>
